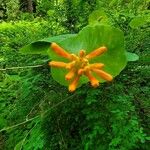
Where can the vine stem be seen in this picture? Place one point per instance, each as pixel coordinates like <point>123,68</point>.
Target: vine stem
<point>16,125</point>
<point>24,139</point>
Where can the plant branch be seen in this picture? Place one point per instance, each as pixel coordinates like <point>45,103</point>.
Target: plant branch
<point>24,122</point>
<point>16,125</point>
<point>22,143</point>
<point>13,68</point>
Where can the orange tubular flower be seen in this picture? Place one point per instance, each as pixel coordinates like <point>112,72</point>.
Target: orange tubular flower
<point>93,80</point>
<point>70,74</point>
<point>79,65</point>
<point>103,74</point>
<point>58,64</point>
<point>97,65</point>
<point>96,52</point>
<point>74,83</point>
<point>60,51</point>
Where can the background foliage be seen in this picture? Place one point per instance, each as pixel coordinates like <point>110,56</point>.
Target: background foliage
<point>38,113</point>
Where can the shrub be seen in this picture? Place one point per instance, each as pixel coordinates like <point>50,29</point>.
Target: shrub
<point>38,113</point>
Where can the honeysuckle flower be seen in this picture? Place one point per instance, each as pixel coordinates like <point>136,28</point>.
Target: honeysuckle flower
<point>79,65</point>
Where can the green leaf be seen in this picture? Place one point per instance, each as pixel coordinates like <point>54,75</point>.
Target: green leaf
<point>42,46</point>
<point>90,38</point>
<point>139,21</point>
<point>132,56</point>
<point>98,16</point>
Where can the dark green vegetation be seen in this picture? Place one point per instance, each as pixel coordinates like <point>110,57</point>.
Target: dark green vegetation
<point>38,113</point>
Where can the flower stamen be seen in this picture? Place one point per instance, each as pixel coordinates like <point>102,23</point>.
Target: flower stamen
<point>82,53</point>
<point>80,71</point>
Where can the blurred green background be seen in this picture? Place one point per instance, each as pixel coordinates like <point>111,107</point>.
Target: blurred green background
<point>36,113</point>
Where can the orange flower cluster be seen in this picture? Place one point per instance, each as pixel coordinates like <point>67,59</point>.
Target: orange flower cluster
<point>79,65</point>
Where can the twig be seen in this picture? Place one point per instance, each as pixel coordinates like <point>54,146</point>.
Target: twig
<point>31,111</point>
<point>13,68</point>
<point>60,103</point>
<point>65,145</point>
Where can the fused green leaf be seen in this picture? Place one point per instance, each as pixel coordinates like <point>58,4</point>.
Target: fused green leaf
<point>42,46</point>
